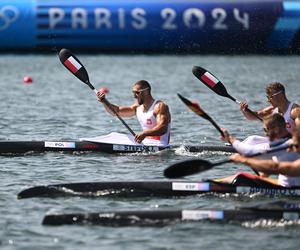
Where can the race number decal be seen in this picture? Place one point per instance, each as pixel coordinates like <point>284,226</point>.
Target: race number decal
<point>202,215</point>
<point>52,144</point>
<point>190,186</point>
<point>134,148</point>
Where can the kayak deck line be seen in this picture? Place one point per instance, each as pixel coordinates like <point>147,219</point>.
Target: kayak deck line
<point>21,147</point>
<point>155,189</point>
<point>278,210</point>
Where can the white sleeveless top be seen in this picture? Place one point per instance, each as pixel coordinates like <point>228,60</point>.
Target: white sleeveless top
<point>148,121</point>
<point>289,122</point>
<point>284,180</point>
<point>288,181</point>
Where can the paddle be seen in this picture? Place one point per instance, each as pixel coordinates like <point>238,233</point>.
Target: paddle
<point>190,167</point>
<point>216,85</point>
<point>195,107</point>
<point>73,64</point>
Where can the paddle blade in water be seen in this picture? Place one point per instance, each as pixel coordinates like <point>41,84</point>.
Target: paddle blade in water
<point>72,63</point>
<point>211,81</point>
<point>184,168</point>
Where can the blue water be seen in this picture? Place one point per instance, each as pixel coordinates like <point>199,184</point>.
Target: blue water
<point>58,106</point>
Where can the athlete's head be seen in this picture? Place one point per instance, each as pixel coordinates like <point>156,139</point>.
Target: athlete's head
<point>140,90</point>
<point>274,126</point>
<point>275,91</point>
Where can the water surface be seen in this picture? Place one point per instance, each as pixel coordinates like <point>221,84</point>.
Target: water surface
<point>58,106</point>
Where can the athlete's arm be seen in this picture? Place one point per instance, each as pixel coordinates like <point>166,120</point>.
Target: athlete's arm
<point>289,168</point>
<point>265,166</point>
<point>295,115</point>
<point>228,137</point>
<point>163,118</point>
<point>269,166</point>
<point>260,113</point>
<point>123,111</point>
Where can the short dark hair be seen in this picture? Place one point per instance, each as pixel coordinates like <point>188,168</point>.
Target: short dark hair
<point>274,87</point>
<point>143,84</point>
<point>276,120</point>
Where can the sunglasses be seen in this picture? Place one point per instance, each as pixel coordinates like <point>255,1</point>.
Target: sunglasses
<point>269,97</point>
<point>137,92</point>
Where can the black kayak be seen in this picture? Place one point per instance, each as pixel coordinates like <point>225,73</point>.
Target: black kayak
<point>21,147</point>
<point>240,184</point>
<point>278,210</point>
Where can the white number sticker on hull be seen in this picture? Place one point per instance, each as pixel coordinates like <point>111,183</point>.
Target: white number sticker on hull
<point>267,191</point>
<point>134,148</point>
<point>190,186</point>
<point>201,215</point>
<point>53,144</point>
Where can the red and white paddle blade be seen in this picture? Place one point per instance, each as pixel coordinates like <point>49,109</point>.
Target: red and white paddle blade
<point>72,63</point>
<point>210,81</point>
<point>205,76</point>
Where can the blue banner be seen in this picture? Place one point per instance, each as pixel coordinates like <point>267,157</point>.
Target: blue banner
<point>151,25</point>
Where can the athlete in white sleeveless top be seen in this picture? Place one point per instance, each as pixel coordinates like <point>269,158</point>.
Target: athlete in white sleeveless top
<point>148,121</point>
<point>285,180</point>
<point>289,122</point>
<point>154,116</point>
<point>276,135</point>
<point>280,104</point>
<point>286,165</point>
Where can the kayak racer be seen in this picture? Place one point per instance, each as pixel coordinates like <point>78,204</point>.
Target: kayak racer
<point>153,115</point>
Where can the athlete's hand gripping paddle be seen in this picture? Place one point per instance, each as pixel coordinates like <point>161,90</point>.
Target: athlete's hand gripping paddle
<point>216,85</point>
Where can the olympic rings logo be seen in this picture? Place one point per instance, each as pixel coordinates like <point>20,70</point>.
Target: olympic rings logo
<point>8,15</point>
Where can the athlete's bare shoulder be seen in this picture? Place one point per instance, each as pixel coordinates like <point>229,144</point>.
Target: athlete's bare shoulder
<point>295,112</point>
<point>160,106</point>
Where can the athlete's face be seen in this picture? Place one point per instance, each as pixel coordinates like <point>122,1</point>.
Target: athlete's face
<point>274,97</point>
<point>138,93</point>
<point>271,132</point>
